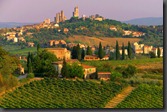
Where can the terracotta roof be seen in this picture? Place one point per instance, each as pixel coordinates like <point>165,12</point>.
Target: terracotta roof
<point>68,61</point>
<point>87,66</point>
<point>101,73</point>
<point>91,56</point>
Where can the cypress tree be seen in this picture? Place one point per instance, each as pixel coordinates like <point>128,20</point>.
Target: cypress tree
<point>158,52</point>
<point>100,52</point>
<point>129,50</point>
<point>29,62</point>
<point>83,53</point>
<point>64,70</point>
<point>117,51</point>
<point>74,52</point>
<point>88,51</point>
<point>78,52</point>
<point>123,51</point>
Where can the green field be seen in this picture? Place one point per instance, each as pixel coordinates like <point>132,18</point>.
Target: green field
<point>145,96</point>
<point>150,63</point>
<point>23,52</point>
<point>58,93</point>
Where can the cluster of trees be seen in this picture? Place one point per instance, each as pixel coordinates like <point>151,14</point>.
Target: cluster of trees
<point>72,70</point>
<point>153,55</point>
<point>8,67</point>
<point>40,63</point>
<point>78,53</point>
<point>117,52</point>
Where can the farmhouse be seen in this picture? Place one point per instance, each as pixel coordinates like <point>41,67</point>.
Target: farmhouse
<point>91,57</point>
<point>103,75</point>
<point>89,71</point>
<point>60,53</point>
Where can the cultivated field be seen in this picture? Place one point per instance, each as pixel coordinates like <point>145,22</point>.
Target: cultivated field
<point>145,96</point>
<point>104,40</point>
<point>53,93</point>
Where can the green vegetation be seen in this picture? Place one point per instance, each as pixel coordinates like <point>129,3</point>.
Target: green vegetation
<point>145,96</point>
<point>117,51</point>
<point>57,93</point>
<point>22,52</point>
<point>111,64</point>
<point>100,51</point>
<point>72,71</point>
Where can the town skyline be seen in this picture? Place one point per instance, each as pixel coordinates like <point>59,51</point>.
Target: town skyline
<point>39,12</point>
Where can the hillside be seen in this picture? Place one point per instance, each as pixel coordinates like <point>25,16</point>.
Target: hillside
<point>104,40</point>
<point>146,21</point>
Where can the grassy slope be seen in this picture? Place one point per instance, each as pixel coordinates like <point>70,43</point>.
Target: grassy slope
<point>104,40</point>
<point>150,63</point>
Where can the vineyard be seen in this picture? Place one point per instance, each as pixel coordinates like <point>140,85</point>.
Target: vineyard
<point>145,96</point>
<point>61,93</point>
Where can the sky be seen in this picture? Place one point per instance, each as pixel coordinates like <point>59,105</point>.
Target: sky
<point>38,10</point>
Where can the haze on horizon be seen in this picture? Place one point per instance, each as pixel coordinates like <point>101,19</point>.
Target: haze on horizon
<point>38,10</point>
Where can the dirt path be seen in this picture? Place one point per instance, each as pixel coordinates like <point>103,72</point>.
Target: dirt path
<point>120,97</point>
<point>12,89</point>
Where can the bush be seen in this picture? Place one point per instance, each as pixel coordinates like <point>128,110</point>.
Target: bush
<point>129,71</point>
<point>30,75</point>
<point>115,76</point>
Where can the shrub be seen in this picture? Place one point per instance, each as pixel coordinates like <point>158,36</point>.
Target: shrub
<point>30,75</point>
<point>129,71</point>
<point>115,76</point>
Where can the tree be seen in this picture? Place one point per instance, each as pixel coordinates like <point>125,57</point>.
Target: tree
<point>117,51</point>
<point>158,52</point>
<point>100,51</point>
<point>152,55</point>
<point>129,71</point>
<point>42,64</point>
<point>38,48</point>
<point>129,51</point>
<point>88,51</point>
<point>83,53</point>
<point>64,70</point>
<point>78,52</point>
<point>74,52</point>
<point>123,52</point>
<point>29,63</point>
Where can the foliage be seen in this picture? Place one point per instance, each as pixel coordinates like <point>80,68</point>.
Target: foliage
<point>8,64</point>
<point>42,64</point>
<point>129,71</point>
<point>117,51</point>
<point>158,52</point>
<point>115,76</point>
<point>30,75</point>
<point>83,54</point>
<point>145,96</point>
<point>100,51</point>
<point>58,93</point>
<point>152,54</point>
<point>123,52</point>
<point>7,82</point>
<point>129,51</point>
<point>88,51</point>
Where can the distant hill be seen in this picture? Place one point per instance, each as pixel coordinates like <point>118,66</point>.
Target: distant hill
<point>12,24</point>
<point>146,21</point>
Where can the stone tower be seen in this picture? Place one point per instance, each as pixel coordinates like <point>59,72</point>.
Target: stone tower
<point>76,12</point>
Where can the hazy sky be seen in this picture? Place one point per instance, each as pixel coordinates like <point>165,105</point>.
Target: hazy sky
<point>38,10</point>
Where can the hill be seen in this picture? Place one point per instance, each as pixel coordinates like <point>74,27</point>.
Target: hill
<point>104,40</point>
<point>146,21</point>
<point>12,24</point>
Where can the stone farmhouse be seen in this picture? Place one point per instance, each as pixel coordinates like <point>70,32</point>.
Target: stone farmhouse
<point>103,75</point>
<point>60,53</point>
